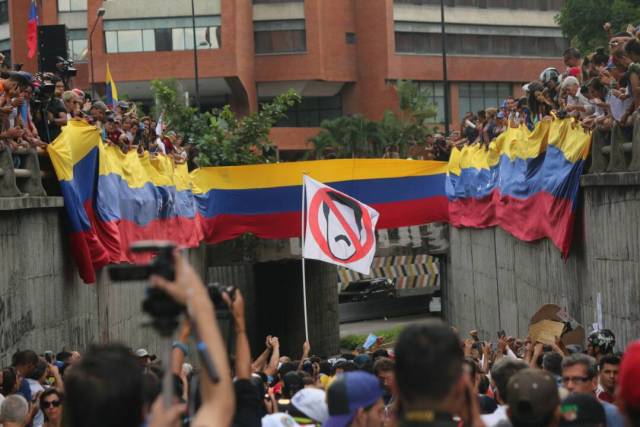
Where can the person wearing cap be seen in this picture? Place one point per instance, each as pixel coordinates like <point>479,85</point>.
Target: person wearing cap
<point>355,399</point>
<point>581,410</point>
<point>144,358</point>
<point>580,375</point>
<point>309,407</point>
<point>532,396</point>
<point>628,395</point>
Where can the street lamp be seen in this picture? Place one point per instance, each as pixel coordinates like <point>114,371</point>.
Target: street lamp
<point>195,54</point>
<point>99,14</point>
<point>445,77</point>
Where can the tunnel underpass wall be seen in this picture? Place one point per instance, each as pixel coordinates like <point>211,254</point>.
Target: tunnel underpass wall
<point>43,303</point>
<point>498,282</point>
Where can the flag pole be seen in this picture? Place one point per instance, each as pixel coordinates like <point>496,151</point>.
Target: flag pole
<point>304,275</point>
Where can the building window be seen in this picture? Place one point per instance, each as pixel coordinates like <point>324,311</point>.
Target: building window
<point>480,44</point>
<point>312,111</point>
<point>276,1</point>
<point>72,5</point>
<point>286,41</point>
<point>280,36</point>
<point>164,41</point>
<point>78,50</point>
<point>350,38</point>
<point>480,96</point>
<point>492,4</point>
<point>160,39</point>
<point>4,11</point>
<point>436,96</point>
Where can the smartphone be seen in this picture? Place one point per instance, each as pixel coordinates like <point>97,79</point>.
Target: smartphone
<point>501,334</point>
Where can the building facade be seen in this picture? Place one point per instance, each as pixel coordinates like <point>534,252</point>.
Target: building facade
<point>342,56</point>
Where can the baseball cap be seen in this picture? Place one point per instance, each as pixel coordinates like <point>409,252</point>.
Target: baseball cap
<point>349,392</point>
<point>581,409</point>
<point>629,377</point>
<point>501,115</point>
<point>279,419</point>
<point>141,352</point>
<point>100,106</point>
<point>532,395</point>
<point>311,402</point>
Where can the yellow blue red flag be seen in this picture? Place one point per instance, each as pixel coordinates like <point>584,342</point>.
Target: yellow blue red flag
<point>111,91</point>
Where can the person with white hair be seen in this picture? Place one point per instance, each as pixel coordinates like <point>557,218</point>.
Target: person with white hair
<point>13,411</point>
<point>577,104</point>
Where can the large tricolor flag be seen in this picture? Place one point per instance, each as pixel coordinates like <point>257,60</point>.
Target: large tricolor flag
<point>32,30</point>
<point>111,91</point>
<point>339,229</point>
<point>526,182</point>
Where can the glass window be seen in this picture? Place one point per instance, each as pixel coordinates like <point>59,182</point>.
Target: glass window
<point>177,35</point>
<point>78,50</point>
<point>285,41</point>
<point>480,96</point>
<point>130,41</point>
<point>160,39</point>
<point>435,91</point>
<point>276,1</point>
<point>4,11</point>
<point>312,111</point>
<point>480,44</point>
<point>72,5</point>
<point>148,40</point>
<point>163,39</point>
<point>111,40</point>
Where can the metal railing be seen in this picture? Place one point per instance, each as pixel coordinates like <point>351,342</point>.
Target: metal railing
<point>611,152</point>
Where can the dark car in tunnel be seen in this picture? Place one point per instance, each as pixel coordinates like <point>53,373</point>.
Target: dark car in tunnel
<point>368,289</point>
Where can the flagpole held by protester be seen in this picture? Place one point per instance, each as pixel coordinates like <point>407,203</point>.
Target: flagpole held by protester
<point>304,275</point>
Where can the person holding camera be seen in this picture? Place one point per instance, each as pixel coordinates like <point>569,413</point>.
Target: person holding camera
<point>218,399</point>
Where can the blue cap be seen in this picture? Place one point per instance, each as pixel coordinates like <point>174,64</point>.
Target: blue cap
<point>348,393</point>
<point>501,115</point>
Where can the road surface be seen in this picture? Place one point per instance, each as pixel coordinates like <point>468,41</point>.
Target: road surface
<point>367,326</point>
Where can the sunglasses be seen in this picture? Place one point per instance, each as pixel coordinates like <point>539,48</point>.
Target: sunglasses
<point>51,404</point>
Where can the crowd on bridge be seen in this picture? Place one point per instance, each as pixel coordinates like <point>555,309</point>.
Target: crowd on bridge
<point>34,108</point>
<point>429,377</point>
<point>599,90</point>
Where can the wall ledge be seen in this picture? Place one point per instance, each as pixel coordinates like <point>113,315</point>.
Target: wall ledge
<point>19,203</point>
<point>610,179</point>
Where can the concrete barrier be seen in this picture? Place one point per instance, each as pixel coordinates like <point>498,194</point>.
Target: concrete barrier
<point>497,282</point>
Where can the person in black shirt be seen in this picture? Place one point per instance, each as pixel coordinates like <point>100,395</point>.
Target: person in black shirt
<point>56,113</point>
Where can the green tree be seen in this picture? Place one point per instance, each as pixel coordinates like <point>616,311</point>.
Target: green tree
<point>356,136</point>
<point>582,20</point>
<point>220,137</point>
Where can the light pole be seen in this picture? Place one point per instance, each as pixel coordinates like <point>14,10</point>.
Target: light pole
<point>99,14</point>
<point>445,77</point>
<point>195,55</point>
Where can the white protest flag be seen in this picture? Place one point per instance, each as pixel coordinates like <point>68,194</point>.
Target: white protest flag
<point>339,229</point>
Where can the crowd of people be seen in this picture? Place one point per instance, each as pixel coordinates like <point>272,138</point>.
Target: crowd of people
<point>598,90</point>
<point>35,108</point>
<point>429,377</point>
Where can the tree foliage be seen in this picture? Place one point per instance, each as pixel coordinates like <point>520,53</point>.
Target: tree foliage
<point>356,136</point>
<point>220,137</point>
<point>582,20</point>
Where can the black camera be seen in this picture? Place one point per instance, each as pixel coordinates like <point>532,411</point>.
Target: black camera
<point>65,68</point>
<point>161,264</point>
